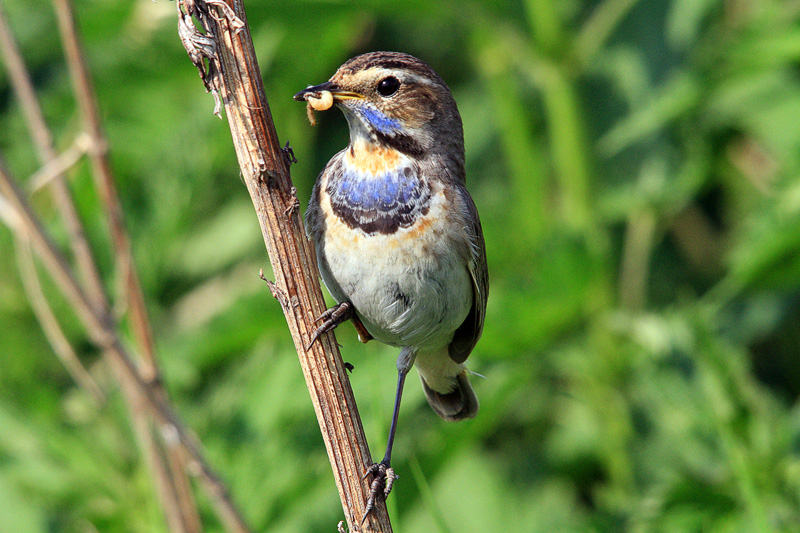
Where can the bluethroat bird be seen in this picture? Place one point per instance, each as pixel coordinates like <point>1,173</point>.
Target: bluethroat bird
<point>398,238</point>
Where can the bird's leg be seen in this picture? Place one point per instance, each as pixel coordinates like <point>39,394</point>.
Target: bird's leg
<point>383,472</point>
<point>363,335</point>
<point>331,318</point>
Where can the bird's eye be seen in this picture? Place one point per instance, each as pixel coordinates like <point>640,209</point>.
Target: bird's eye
<point>388,86</point>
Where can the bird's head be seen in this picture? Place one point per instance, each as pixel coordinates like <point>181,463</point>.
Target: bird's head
<point>397,101</point>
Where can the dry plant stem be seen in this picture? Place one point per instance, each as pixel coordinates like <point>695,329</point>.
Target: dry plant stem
<point>171,471</point>
<point>23,89</point>
<point>52,171</point>
<point>55,168</point>
<point>164,477</point>
<point>52,330</point>
<point>101,166</point>
<point>264,168</point>
<point>43,140</point>
<point>103,333</point>
<point>179,504</point>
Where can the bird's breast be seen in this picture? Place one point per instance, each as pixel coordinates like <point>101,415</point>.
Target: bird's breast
<point>410,285</point>
<point>376,190</point>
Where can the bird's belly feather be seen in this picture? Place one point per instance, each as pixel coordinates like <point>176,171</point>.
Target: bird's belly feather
<point>410,288</point>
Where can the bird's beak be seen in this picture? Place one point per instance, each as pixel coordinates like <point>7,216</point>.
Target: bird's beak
<point>337,93</point>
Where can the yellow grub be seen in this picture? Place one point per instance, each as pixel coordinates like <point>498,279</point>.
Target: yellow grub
<point>321,101</point>
<point>310,114</point>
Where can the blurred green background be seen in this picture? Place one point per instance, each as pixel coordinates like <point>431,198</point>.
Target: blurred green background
<point>635,164</point>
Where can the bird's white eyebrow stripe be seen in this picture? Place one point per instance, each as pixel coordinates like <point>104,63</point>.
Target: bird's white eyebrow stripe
<point>418,79</point>
<point>403,74</point>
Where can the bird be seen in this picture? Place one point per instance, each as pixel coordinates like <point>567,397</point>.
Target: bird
<point>397,235</point>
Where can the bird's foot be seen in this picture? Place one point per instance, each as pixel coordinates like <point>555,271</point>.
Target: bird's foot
<point>330,319</point>
<point>381,485</point>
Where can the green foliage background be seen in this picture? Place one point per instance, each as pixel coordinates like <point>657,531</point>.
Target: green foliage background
<point>636,168</point>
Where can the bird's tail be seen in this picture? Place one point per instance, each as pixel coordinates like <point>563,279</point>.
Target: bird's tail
<point>456,404</point>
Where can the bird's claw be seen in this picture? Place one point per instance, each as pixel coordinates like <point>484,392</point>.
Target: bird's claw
<point>330,319</point>
<point>382,483</point>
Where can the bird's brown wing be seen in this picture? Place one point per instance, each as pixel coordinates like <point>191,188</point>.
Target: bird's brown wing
<point>468,333</point>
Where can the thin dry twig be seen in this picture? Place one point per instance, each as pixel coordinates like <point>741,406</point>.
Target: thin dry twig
<point>171,471</point>
<point>43,140</point>
<point>55,168</point>
<point>101,165</point>
<point>8,216</point>
<point>233,69</point>
<point>50,326</point>
<point>102,330</point>
<point>52,171</point>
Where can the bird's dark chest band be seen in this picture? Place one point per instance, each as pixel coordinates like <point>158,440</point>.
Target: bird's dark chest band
<point>382,203</point>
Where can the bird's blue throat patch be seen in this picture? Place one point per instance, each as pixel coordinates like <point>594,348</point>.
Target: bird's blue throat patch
<point>383,130</point>
<point>379,121</point>
<point>380,203</point>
